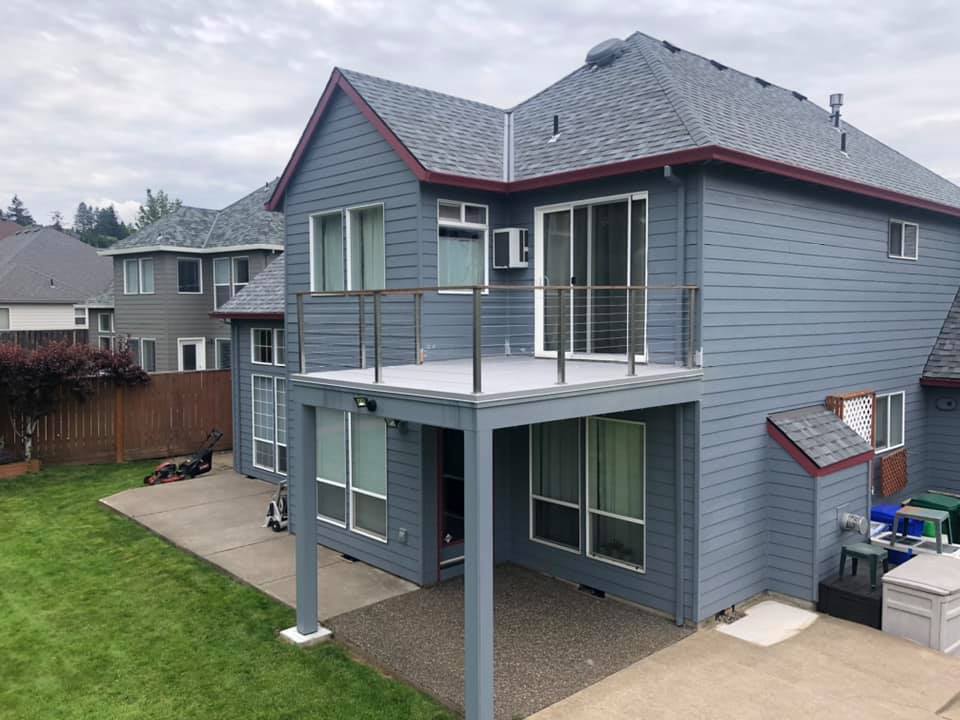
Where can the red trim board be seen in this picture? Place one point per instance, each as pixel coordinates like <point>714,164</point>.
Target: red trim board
<point>940,382</point>
<point>806,463</point>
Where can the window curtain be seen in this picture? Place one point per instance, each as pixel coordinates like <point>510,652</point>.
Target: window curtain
<point>369,437</point>
<point>367,252</point>
<point>331,446</point>
<point>555,470</point>
<point>328,252</point>
<point>615,457</point>
<point>461,257</point>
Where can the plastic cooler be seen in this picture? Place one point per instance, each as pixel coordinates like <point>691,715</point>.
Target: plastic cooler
<point>935,501</point>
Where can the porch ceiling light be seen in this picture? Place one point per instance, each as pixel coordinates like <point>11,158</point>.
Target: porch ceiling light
<point>365,403</point>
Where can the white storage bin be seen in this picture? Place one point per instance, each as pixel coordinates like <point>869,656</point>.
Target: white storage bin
<point>921,602</point>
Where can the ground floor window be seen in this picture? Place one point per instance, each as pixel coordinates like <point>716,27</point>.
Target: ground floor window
<point>105,342</point>
<point>352,472</point>
<point>148,354</point>
<point>223,353</point>
<point>270,423</point>
<point>613,472</point>
<point>890,421</point>
<point>191,354</point>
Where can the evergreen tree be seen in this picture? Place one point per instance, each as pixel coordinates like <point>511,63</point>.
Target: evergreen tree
<point>84,220</point>
<point>155,208</point>
<point>108,225</point>
<point>19,213</point>
<point>56,219</point>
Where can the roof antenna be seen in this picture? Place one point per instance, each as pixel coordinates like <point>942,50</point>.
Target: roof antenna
<point>836,102</point>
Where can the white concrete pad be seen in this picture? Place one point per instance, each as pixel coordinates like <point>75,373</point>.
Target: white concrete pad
<point>294,637</point>
<point>769,623</point>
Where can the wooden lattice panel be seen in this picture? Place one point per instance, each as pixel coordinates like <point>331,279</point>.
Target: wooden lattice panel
<point>893,473</point>
<point>856,410</point>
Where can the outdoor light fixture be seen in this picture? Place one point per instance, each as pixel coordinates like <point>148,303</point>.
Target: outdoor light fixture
<point>396,424</point>
<point>365,403</point>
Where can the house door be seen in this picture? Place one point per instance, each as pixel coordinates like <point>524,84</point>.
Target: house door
<point>599,244</point>
<point>450,497</point>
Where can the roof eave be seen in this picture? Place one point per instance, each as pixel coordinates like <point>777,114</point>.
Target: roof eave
<point>804,460</point>
<point>213,250</point>
<point>940,382</point>
<point>220,314</point>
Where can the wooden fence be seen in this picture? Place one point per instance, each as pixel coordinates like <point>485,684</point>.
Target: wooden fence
<point>168,417</point>
<point>32,339</point>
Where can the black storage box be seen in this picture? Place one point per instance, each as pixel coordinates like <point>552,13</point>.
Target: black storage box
<point>850,598</point>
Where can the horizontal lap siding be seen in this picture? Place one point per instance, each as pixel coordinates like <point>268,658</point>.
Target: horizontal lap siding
<point>943,439</point>
<point>349,163</point>
<point>790,524</point>
<point>800,301</point>
<point>846,491</point>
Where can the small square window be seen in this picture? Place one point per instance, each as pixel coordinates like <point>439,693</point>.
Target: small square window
<point>188,275</point>
<point>449,211</point>
<point>105,322</point>
<point>262,346</point>
<point>903,240</point>
<point>80,317</point>
<point>476,214</point>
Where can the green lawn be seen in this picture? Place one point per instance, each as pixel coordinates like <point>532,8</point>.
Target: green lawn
<point>100,619</point>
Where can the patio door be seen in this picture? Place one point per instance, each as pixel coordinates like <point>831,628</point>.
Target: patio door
<point>450,479</point>
<point>589,247</point>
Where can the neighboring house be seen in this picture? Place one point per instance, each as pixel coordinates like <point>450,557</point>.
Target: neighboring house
<point>96,313</point>
<point>259,374</point>
<point>676,451</point>
<point>44,274</point>
<point>8,227</point>
<point>169,276</point>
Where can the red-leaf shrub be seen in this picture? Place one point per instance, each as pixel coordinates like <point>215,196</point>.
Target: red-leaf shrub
<point>33,381</point>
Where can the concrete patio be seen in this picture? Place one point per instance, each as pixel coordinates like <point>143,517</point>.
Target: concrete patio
<point>218,518</point>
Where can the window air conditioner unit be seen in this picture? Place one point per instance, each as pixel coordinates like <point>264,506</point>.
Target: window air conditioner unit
<point>510,248</point>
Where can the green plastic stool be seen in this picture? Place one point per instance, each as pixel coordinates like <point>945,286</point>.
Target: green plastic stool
<point>874,554</point>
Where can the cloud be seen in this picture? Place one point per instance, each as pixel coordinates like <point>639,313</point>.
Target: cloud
<point>126,209</point>
<point>206,100</point>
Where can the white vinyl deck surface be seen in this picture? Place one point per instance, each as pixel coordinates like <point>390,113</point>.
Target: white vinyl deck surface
<point>503,376</point>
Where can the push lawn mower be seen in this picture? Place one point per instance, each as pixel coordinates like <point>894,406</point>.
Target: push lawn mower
<point>277,509</point>
<point>197,464</point>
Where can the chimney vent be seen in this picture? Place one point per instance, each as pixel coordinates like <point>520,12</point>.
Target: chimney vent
<point>556,129</point>
<point>836,102</point>
<point>843,141</point>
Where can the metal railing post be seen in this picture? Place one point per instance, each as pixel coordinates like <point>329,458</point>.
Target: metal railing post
<point>561,340</point>
<point>362,327</point>
<point>477,339</point>
<point>631,334</point>
<point>418,327</point>
<point>691,326</point>
<point>377,339</point>
<point>300,334</point>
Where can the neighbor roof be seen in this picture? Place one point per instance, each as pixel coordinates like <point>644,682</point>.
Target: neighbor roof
<point>822,437</point>
<point>244,223</point>
<point>103,299</point>
<point>943,364</point>
<point>44,265</point>
<point>264,296</point>
<point>654,105</point>
<point>8,228</point>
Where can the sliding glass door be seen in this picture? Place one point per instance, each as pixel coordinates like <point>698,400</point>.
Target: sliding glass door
<point>595,248</point>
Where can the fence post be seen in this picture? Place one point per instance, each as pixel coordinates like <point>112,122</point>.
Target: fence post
<point>119,425</point>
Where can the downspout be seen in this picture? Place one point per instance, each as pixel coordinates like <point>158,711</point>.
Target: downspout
<point>681,276</point>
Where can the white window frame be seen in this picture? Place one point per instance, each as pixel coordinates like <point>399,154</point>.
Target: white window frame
<point>277,343</point>
<point>348,261</point>
<point>9,317</point>
<point>253,346</point>
<point>542,498</point>
<point>462,223</point>
<point>903,225</point>
<point>276,426</point>
<point>253,421</point>
<point>538,268</point>
<point>154,341</point>
<point>139,262</point>
<point>352,489</point>
<point>216,351</point>
<point>100,328</point>
<point>111,342</point>
<point>201,344</point>
<point>590,550</point>
<point>903,420</point>
<point>213,279</point>
<point>343,235</point>
<point>233,273</point>
<point>76,316</point>
<point>345,486</point>
<point>199,263</point>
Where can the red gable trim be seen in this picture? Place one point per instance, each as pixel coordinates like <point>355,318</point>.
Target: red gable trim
<point>806,463</point>
<point>706,153</point>
<point>247,315</point>
<point>940,382</point>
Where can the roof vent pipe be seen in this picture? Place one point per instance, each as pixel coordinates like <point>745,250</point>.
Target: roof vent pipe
<point>556,129</point>
<point>836,102</point>
<point>843,141</point>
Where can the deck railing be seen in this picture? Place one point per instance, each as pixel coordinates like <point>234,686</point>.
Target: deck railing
<point>633,324</point>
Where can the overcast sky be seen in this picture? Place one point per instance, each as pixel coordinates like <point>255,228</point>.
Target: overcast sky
<point>207,99</point>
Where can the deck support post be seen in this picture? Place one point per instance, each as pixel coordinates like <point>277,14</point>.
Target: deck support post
<point>478,630</point>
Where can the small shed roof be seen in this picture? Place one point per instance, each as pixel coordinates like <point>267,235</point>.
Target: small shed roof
<point>822,437</point>
<point>943,365</point>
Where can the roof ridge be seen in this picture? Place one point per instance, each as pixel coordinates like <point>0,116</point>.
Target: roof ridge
<point>347,71</point>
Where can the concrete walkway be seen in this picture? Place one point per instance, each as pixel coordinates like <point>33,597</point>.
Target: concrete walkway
<point>218,518</point>
<point>832,669</point>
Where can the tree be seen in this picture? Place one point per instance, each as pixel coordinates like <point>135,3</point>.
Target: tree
<point>56,219</point>
<point>17,212</point>
<point>108,226</point>
<point>33,381</point>
<point>83,221</point>
<point>155,208</point>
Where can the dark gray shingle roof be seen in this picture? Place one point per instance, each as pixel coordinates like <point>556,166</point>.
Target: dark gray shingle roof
<point>820,435</point>
<point>104,298</point>
<point>244,222</point>
<point>264,295</point>
<point>651,100</point>
<point>44,265</point>
<point>944,360</point>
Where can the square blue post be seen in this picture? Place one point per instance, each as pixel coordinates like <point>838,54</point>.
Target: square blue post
<point>304,504</point>
<point>478,575</point>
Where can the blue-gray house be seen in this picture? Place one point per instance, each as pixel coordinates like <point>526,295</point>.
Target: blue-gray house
<point>648,331</point>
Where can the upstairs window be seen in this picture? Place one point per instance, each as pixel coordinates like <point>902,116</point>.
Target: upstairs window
<point>105,322</point>
<point>326,252</point>
<point>138,277</point>
<point>262,346</point>
<point>903,239</point>
<point>461,244</point>
<point>890,420</point>
<point>80,317</point>
<point>189,279</point>
<point>241,273</point>
<point>366,253</point>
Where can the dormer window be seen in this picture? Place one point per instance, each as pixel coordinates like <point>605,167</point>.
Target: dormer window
<point>902,240</point>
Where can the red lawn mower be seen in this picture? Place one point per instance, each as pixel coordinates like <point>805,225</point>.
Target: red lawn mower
<point>197,464</point>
